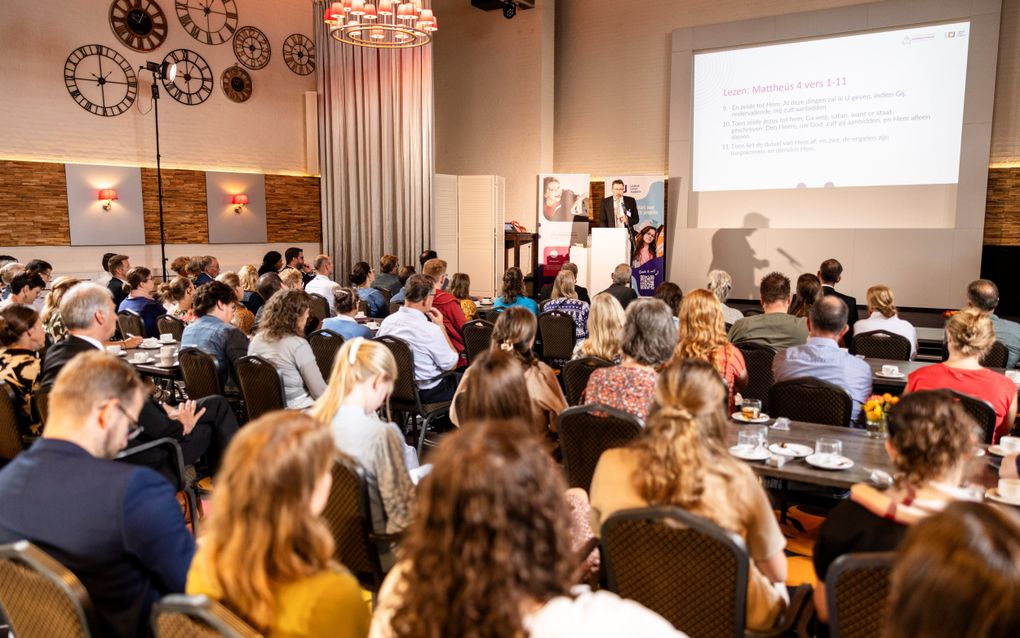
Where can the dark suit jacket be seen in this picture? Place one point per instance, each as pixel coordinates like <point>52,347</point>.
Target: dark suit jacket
<point>57,356</point>
<point>851,304</point>
<point>607,218</point>
<point>118,527</point>
<point>116,286</point>
<point>546,293</point>
<point>623,294</point>
<point>203,278</point>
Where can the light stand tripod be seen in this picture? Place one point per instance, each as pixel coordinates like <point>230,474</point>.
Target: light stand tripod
<point>160,71</point>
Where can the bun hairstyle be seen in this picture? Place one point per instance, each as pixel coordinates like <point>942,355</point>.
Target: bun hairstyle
<point>515,332</point>
<point>15,321</point>
<point>346,300</point>
<point>136,277</point>
<point>971,331</point>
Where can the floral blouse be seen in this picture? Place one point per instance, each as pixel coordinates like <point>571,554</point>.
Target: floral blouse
<point>187,316</point>
<point>19,369</point>
<point>469,308</point>
<point>623,388</point>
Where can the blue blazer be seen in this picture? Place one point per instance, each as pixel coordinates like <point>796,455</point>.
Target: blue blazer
<point>117,526</point>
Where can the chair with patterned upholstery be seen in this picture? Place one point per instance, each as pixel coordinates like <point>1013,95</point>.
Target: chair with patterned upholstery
<point>586,431</point>
<point>395,306</point>
<point>201,375</point>
<point>575,376</point>
<point>981,411</point>
<point>130,324</point>
<point>137,455</point>
<point>261,386</point>
<point>557,331</point>
<point>492,314</point>
<point>405,399</point>
<point>325,344</point>
<point>996,357</point>
<point>477,337</point>
<point>318,308</point>
<point>857,592</point>
<point>41,597</point>
<point>811,400</point>
<point>180,616</point>
<point>758,359</point>
<point>41,404</point>
<point>11,443</point>
<point>172,325</point>
<point>363,307</point>
<point>881,344</point>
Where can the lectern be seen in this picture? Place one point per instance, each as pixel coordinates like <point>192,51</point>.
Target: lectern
<point>609,248</point>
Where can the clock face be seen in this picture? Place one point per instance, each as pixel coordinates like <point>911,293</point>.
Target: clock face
<point>299,53</point>
<point>139,24</point>
<point>236,84</point>
<point>100,80</point>
<point>194,81</point>
<point>208,21</point>
<point>251,47</point>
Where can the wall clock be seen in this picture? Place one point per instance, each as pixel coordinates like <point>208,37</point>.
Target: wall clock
<point>100,80</point>
<point>251,47</point>
<point>139,24</point>
<point>236,84</point>
<point>299,54</point>
<point>194,81</point>
<point>208,21</point>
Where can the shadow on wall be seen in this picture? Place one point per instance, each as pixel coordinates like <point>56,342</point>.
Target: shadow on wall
<point>732,252</point>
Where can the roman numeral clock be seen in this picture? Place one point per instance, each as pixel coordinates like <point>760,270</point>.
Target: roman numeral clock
<point>139,24</point>
<point>100,80</point>
<point>194,81</point>
<point>208,21</point>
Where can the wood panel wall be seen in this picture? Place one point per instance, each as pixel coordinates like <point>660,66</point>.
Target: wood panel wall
<point>1002,211</point>
<point>33,204</point>
<point>296,209</point>
<point>184,207</point>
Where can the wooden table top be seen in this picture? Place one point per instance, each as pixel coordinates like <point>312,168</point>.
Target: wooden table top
<point>153,368</point>
<point>906,367</point>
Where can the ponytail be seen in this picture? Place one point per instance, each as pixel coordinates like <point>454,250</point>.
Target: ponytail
<point>357,361</point>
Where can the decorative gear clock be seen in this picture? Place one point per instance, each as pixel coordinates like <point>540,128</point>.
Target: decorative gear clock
<point>139,24</point>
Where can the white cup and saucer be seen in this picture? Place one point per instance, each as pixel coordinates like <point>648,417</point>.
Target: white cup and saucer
<point>890,371</point>
<point>166,337</point>
<point>1007,491</point>
<point>114,350</point>
<point>140,357</point>
<point>1006,445</point>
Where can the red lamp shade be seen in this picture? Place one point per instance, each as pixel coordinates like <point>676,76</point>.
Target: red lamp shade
<point>108,194</point>
<point>240,200</point>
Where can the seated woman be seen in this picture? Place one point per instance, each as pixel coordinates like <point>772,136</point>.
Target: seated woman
<point>491,541</point>
<point>809,288</point>
<point>703,336</point>
<point>649,336</point>
<point>21,338</point>
<point>719,284</point>
<point>930,441</point>
<point>605,329</point>
<point>513,292</point>
<point>179,299</point>
<point>460,288</point>
<point>362,277</point>
<point>244,320</point>
<point>682,460</point>
<point>492,388</point>
<point>345,303</point>
<point>280,339</point>
<point>52,321</point>
<point>361,381</point>
<point>969,335</point>
<point>671,293</point>
<point>249,277</point>
<point>882,316</point>
<point>140,301</point>
<point>266,554</point>
<point>271,262</point>
<point>564,298</point>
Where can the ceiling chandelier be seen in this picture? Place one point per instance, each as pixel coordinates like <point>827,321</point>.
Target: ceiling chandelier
<point>388,24</point>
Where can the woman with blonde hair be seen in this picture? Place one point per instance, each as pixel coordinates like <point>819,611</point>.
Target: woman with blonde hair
<point>703,336</point>
<point>605,329</point>
<point>266,554</point>
<point>882,311</point>
<point>460,288</point>
<point>682,460</point>
<point>360,383</point>
<point>52,321</point>
<point>564,298</point>
<point>969,336</point>
<point>244,319</point>
<point>249,276</point>
<point>281,340</point>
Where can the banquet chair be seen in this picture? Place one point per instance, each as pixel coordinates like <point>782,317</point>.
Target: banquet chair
<point>261,386</point>
<point>881,344</point>
<point>363,307</point>
<point>750,312</point>
<point>758,359</point>
<point>477,337</point>
<point>318,308</point>
<point>404,398</point>
<point>181,481</point>
<point>41,403</point>
<point>201,375</point>
<point>325,344</point>
<point>586,431</point>
<point>395,306</point>
<point>575,376</point>
<point>492,314</point>
<point>39,597</point>
<point>996,357</point>
<point>181,616</point>
<point>857,591</point>
<point>170,324</point>
<point>387,295</point>
<point>981,411</point>
<point>557,332</point>
<point>130,324</point>
<point>11,443</point>
<point>811,400</point>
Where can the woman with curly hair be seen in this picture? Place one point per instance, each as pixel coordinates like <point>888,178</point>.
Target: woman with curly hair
<point>682,460</point>
<point>180,266</point>
<point>280,339</point>
<point>249,276</point>
<point>266,554</point>
<point>489,554</point>
<point>605,329</point>
<point>809,287</point>
<point>931,438</point>
<point>52,321</point>
<point>703,336</point>
<point>513,292</point>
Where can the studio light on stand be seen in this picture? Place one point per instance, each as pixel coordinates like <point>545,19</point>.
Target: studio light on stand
<point>160,71</point>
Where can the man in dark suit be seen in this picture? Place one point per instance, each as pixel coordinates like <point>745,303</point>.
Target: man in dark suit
<point>619,210</point>
<point>582,293</point>
<point>621,286</point>
<point>116,526</point>
<point>88,312</point>
<point>831,273</point>
<point>210,270</point>
<point>119,265</point>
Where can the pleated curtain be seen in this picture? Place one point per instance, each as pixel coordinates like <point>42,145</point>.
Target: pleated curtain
<point>376,149</point>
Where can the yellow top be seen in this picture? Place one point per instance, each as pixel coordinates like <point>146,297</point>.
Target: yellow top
<point>328,604</point>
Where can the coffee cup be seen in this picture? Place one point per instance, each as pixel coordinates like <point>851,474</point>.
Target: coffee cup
<point>1009,488</point>
<point>166,337</point>
<point>140,357</point>
<point>114,350</point>
<point>890,370</point>
<point>360,315</point>
<point>1010,443</point>
<point>166,359</point>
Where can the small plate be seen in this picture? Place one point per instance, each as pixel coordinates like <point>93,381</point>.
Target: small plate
<point>756,454</point>
<point>993,495</point>
<point>762,418</point>
<point>791,450</point>
<point>882,375</point>
<point>998,450</point>
<point>837,463</point>
<point>146,361</point>
<point>151,345</point>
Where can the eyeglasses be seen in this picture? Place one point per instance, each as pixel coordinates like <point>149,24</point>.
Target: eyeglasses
<point>134,429</point>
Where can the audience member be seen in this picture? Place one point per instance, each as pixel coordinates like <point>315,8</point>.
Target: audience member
<point>621,286</point>
<point>969,335</point>
<point>119,266</point>
<point>244,319</point>
<point>983,294</point>
<point>460,288</point>
<point>774,328</point>
<point>6,259</point>
<point>266,554</point>
<point>321,284</point>
<point>513,292</point>
<point>362,276</point>
<point>403,275</point>
<point>25,289</point>
<point>423,328</point>
<point>52,321</point>
<point>194,267</point>
<point>180,266</point>
<point>930,441</point>
<point>809,288</point>
<point>295,258</point>
<point>649,336</point>
<point>446,304</point>
<point>7,273</point>
<point>179,299</point>
<point>271,262</point>
<point>21,338</point>
<point>387,278</point>
<point>720,283</point>
<point>822,358</point>
<point>492,388</point>
<point>582,293</point>
<point>269,284</point>
<point>45,271</point>
<point>103,278</point>
<point>280,339</point>
<point>683,461</point>
<point>830,273</point>
<point>116,526</point>
<point>703,336</point>
<point>292,279</point>
<point>882,316</point>
<point>140,300</point>
<point>209,269</point>
<point>88,313</point>
<point>671,293</point>
<point>249,277</point>
<point>213,332</point>
<point>605,329</point>
<point>345,301</point>
<point>426,255</point>
<point>564,299</point>
<point>491,539</point>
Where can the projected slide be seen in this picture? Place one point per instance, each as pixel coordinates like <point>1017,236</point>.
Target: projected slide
<point>877,109</point>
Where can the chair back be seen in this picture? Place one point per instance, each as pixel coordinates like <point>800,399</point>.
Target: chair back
<point>758,359</point>
<point>349,518</point>
<point>492,314</point>
<point>41,401</point>
<point>981,411</point>
<point>881,344</point>
<point>811,400</point>
<point>41,597</point>
<point>405,391</point>
<point>750,312</point>
<point>395,306</point>
<point>130,324</point>
<point>681,566</point>
<point>180,616</point>
<point>557,331</point>
<point>261,386</point>
<point>996,357</point>
<point>575,376</point>
<point>477,337</point>
<point>857,592</point>
<point>201,375</point>
<point>318,307</point>
<point>10,436</point>
<point>363,306</point>
<point>586,431</point>
<point>171,324</point>
<point>387,295</point>
<point>325,344</point>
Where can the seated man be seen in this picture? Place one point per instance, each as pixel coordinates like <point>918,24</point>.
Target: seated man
<point>119,265</point>
<point>295,259</point>
<point>621,286</point>
<point>213,333</point>
<point>116,526</point>
<point>582,293</point>
<point>387,278</point>
<point>321,284</point>
<point>774,328</point>
<point>821,357</point>
<point>25,289</point>
<point>209,269</point>
<point>362,277</point>
<point>984,295</point>
<point>446,304</point>
<point>88,313</point>
<point>423,328</point>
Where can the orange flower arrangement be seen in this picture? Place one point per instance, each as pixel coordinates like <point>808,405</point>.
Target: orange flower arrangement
<point>877,406</point>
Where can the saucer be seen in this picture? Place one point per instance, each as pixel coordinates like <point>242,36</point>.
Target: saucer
<point>998,450</point>
<point>762,418</point>
<point>993,495</point>
<point>881,374</point>
<point>791,450</point>
<point>142,362</point>
<point>755,454</point>
<point>150,345</point>
<point>834,463</point>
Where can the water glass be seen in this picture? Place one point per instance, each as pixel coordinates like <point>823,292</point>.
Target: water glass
<point>752,438</point>
<point>828,449</point>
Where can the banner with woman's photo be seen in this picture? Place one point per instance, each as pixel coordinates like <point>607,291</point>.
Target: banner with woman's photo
<point>648,256</point>
<point>563,207</point>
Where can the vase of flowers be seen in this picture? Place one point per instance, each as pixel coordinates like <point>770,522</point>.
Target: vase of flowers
<point>876,414</point>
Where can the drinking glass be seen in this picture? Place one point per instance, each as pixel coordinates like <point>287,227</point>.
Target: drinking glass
<point>750,409</point>
<point>747,440</point>
<point>828,449</point>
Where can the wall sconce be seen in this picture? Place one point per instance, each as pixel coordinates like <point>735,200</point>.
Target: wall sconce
<point>239,202</point>
<point>107,196</point>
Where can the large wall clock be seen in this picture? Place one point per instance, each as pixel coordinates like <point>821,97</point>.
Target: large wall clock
<point>251,47</point>
<point>299,54</point>
<point>100,80</point>
<point>236,84</point>
<point>194,81</point>
<point>208,21</point>
<point>139,24</point>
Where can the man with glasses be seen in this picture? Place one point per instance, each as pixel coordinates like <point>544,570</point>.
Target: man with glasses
<point>117,527</point>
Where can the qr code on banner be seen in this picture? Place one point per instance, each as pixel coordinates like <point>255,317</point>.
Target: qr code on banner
<point>646,282</point>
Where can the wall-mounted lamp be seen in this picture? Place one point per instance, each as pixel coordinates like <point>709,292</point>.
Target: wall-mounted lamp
<point>239,202</point>
<point>107,196</point>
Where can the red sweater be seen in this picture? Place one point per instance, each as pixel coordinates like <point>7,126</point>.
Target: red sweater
<point>985,384</point>
<point>453,317</point>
